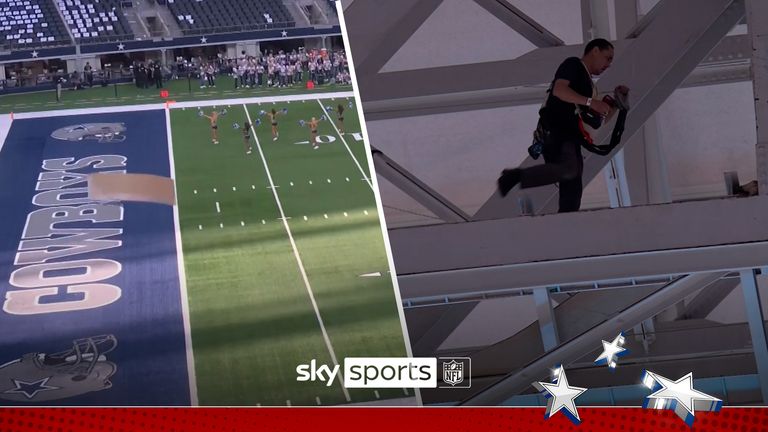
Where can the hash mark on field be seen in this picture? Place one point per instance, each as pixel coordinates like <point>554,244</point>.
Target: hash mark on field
<point>347,178</point>
<point>405,390</point>
<point>329,180</point>
<point>270,187</point>
<point>365,179</point>
<point>221,225</point>
<point>317,399</point>
<point>214,190</point>
<point>218,209</point>
<point>376,393</point>
<point>291,183</point>
<point>310,182</point>
<point>284,218</point>
<point>200,227</point>
<point>325,216</point>
<point>263,222</point>
<point>195,191</point>
<point>234,188</point>
<point>288,402</point>
<point>365,212</point>
<point>345,214</point>
<point>242,223</point>
<point>305,218</point>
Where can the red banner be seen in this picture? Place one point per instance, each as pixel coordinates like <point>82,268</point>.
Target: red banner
<point>368,419</point>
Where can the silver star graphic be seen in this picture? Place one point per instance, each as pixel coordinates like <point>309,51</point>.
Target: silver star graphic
<point>612,351</point>
<point>121,47</point>
<point>561,395</point>
<point>284,33</point>
<point>203,39</point>
<point>35,54</point>
<point>30,389</point>
<point>678,395</point>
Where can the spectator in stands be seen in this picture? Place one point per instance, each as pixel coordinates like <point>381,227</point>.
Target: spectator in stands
<point>209,75</point>
<point>201,74</point>
<point>157,74</point>
<point>260,74</point>
<point>88,71</point>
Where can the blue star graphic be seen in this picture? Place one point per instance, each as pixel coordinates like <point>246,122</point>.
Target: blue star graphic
<point>30,389</point>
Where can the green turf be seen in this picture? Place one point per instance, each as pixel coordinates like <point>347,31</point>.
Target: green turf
<point>128,94</point>
<point>251,317</point>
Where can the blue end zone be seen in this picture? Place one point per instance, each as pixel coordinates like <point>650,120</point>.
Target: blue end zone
<point>140,359</point>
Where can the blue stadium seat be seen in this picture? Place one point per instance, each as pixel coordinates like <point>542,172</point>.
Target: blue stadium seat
<point>223,16</point>
<point>31,24</point>
<point>95,20</point>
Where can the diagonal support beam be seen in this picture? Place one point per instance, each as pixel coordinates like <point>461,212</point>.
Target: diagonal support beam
<point>376,33</point>
<point>653,66</point>
<point>520,22</point>
<point>416,189</point>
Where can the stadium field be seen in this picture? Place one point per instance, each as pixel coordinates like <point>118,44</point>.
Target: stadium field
<point>270,260</point>
<point>128,94</point>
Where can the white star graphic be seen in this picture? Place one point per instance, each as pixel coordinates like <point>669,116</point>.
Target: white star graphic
<point>35,54</point>
<point>30,389</point>
<point>121,47</point>
<point>284,33</point>
<point>561,395</point>
<point>203,39</point>
<point>612,351</point>
<point>680,393</point>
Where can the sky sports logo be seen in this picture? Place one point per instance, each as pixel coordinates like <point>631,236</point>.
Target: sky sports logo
<point>392,372</point>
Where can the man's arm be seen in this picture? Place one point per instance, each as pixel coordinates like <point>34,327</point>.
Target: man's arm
<point>562,91</point>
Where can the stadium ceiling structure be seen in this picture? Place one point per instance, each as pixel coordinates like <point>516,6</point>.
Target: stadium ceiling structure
<point>469,257</point>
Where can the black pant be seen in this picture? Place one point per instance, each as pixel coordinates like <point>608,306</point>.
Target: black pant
<point>563,165</point>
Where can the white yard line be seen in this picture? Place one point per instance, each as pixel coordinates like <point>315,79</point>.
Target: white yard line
<point>303,272</point>
<point>182,274</point>
<point>218,208</point>
<point>362,171</point>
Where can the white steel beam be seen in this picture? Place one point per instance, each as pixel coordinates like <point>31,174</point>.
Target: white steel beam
<point>527,252</point>
<point>757,11</point>
<point>406,97</point>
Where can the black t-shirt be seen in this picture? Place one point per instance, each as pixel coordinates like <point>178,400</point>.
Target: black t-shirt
<point>561,117</point>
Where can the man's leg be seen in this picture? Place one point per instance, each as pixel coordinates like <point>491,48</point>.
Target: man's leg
<point>562,166</point>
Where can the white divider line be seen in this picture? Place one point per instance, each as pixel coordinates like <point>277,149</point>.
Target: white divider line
<point>218,208</point>
<point>182,275</point>
<point>362,171</point>
<point>299,262</point>
<point>376,190</point>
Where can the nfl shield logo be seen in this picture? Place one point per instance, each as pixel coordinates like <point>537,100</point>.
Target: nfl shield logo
<point>453,372</point>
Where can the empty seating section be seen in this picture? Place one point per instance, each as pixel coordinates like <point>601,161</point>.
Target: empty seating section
<point>95,20</point>
<point>31,24</point>
<point>221,16</point>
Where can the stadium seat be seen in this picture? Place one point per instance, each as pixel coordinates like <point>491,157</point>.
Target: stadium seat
<point>31,24</point>
<point>222,16</point>
<point>95,20</point>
